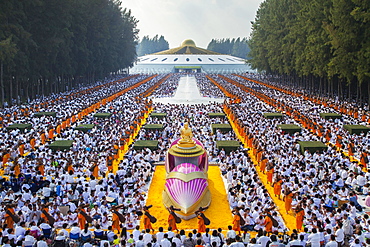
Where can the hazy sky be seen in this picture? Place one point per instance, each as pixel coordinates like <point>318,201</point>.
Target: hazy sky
<point>200,20</point>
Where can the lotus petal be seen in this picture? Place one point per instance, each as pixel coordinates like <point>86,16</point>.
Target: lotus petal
<point>186,193</point>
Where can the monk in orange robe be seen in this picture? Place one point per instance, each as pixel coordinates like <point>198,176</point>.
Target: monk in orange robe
<point>9,220</point>
<point>288,200</point>
<point>81,219</point>
<point>43,138</point>
<point>268,224</point>
<point>45,207</point>
<point>339,141</point>
<point>6,158</point>
<point>17,170</point>
<point>364,160</point>
<point>41,169</point>
<point>70,168</point>
<point>21,149</point>
<point>146,219</point>
<point>115,222</point>
<point>172,222</point>
<point>58,129</point>
<point>33,143</point>
<point>299,217</point>
<point>201,225</point>
<point>277,187</point>
<point>263,165</point>
<point>350,149</point>
<point>51,134</point>
<point>236,221</point>
<point>95,172</point>
<point>270,172</point>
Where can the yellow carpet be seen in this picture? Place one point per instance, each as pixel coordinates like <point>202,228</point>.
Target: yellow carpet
<point>121,153</point>
<point>219,212</point>
<point>289,219</point>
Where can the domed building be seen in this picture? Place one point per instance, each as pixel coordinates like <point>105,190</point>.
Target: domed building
<point>190,58</point>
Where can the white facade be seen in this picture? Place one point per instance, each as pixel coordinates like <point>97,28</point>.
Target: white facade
<point>208,63</point>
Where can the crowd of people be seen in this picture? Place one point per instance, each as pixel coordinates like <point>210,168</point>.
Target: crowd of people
<point>355,145</point>
<point>78,195</point>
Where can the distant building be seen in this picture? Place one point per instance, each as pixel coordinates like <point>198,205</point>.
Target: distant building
<point>190,58</point>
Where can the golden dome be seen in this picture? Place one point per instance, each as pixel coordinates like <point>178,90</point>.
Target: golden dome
<point>188,42</point>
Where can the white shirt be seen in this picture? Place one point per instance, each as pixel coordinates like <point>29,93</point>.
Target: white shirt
<point>20,231</point>
<point>42,243</point>
<point>147,238</point>
<point>165,243</point>
<point>314,239</point>
<point>339,235</point>
<point>332,244</point>
<point>231,234</point>
<point>159,236</point>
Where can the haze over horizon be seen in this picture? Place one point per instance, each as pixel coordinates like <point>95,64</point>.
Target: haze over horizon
<point>200,21</point>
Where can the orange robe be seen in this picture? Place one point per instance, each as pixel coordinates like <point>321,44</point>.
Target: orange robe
<point>201,225</point>
<point>81,220</point>
<point>115,222</point>
<point>236,223</point>
<point>350,149</point>
<point>21,149</point>
<point>44,216</point>
<point>288,202</point>
<point>263,165</point>
<point>364,159</point>
<point>41,169</point>
<point>51,134</point>
<point>299,219</point>
<point>33,143</point>
<point>96,171</point>
<point>339,142</point>
<point>269,175</point>
<point>43,138</point>
<point>70,168</point>
<point>268,224</point>
<point>8,220</point>
<point>17,170</point>
<point>6,158</point>
<point>277,187</point>
<point>147,223</point>
<point>172,222</point>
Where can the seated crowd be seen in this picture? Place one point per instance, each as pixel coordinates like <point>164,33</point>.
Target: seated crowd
<point>75,195</point>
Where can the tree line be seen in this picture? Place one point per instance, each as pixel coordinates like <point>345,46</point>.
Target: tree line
<point>236,47</point>
<point>321,46</point>
<point>49,46</point>
<point>151,45</point>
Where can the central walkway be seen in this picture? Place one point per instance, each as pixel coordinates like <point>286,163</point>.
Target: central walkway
<point>187,93</point>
